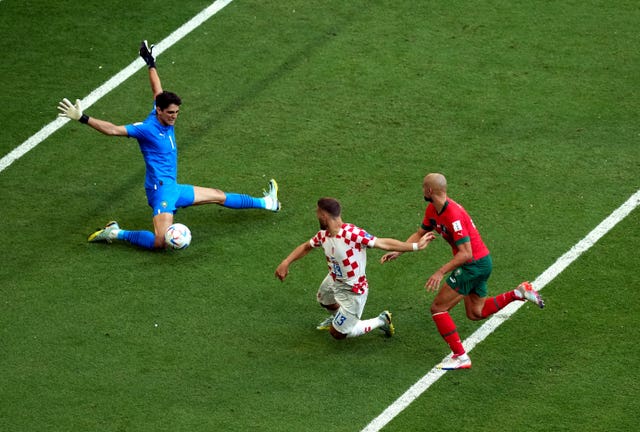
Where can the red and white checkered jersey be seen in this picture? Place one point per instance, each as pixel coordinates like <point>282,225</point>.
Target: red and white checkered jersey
<point>346,254</point>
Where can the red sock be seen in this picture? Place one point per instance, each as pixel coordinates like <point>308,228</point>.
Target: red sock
<point>448,331</point>
<point>494,304</point>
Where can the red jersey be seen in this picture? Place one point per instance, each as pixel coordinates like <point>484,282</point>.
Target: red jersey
<point>454,224</point>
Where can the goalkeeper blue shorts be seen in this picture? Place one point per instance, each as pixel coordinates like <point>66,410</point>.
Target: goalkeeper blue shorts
<point>167,198</point>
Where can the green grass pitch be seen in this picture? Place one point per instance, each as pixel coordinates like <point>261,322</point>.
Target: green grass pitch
<point>529,108</point>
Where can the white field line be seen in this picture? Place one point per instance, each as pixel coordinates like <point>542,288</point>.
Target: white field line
<point>478,336</point>
<point>113,82</point>
<point>494,322</point>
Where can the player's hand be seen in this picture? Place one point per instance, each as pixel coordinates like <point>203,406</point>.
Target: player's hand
<point>145,53</point>
<point>390,256</point>
<point>425,240</point>
<point>282,271</point>
<point>67,109</point>
<point>434,281</point>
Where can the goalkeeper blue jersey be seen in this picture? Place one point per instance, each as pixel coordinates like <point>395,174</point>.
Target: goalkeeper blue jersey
<point>159,150</point>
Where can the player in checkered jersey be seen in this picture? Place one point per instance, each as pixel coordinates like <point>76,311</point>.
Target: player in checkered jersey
<point>469,269</point>
<point>344,290</point>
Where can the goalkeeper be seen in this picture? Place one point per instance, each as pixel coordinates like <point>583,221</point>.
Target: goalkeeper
<point>158,145</point>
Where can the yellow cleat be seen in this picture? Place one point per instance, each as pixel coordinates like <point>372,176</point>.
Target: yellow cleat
<point>388,327</point>
<point>104,234</point>
<point>326,324</point>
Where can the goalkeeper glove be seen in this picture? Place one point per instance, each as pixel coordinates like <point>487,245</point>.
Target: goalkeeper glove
<point>74,112</point>
<point>145,53</point>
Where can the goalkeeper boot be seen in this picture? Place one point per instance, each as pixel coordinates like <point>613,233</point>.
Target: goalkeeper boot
<point>271,197</point>
<point>106,234</point>
<point>457,361</point>
<point>326,324</point>
<point>527,292</point>
<point>387,327</point>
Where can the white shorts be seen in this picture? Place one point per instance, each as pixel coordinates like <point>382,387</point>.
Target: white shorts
<point>351,304</point>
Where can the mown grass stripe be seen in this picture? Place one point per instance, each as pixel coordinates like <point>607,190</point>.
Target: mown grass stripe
<point>112,83</point>
<point>496,320</point>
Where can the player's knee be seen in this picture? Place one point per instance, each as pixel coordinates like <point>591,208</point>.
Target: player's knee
<point>331,307</point>
<point>474,315</point>
<point>437,308</point>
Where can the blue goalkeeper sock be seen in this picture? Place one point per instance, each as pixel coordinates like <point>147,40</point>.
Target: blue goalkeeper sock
<point>145,239</point>
<point>243,201</point>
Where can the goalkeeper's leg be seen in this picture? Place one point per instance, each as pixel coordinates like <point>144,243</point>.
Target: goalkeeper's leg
<point>143,239</point>
<point>238,201</point>
<point>147,239</point>
<point>112,231</point>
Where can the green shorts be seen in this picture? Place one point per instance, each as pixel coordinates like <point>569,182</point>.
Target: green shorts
<point>472,277</point>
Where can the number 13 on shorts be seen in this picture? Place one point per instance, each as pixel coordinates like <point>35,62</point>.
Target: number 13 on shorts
<point>339,319</point>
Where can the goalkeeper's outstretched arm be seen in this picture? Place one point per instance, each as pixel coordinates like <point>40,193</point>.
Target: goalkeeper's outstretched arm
<point>154,79</point>
<point>74,112</point>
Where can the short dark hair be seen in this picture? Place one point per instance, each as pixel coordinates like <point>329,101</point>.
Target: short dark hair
<point>166,98</point>
<point>331,206</point>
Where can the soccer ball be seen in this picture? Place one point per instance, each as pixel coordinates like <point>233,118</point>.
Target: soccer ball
<point>178,236</point>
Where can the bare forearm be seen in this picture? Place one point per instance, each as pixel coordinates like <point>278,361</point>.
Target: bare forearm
<point>465,253</point>
<point>106,127</point>
<point>154,81</point>
<point>413,238</point>
<point>298,253</point>
<point>283,268</point>
<point>457,261</point>
<point>390,244</point>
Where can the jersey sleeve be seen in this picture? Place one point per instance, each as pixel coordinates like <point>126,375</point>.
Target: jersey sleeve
<point>136,130</point>
<point>460,233</point>
<point>316,240</point>
<point>426,226</point>
<point>359,236</point>
<point>140,129</point>
<point>427,221</point>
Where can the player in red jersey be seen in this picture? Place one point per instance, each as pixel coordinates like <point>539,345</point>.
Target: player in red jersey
<point>469,269</point>
<point>344,290</point>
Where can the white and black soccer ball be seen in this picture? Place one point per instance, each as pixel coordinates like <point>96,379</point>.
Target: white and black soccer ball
<point>178,236</point>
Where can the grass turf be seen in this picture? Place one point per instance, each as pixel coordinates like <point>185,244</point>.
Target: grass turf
<point>527,108</point>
